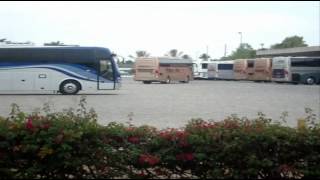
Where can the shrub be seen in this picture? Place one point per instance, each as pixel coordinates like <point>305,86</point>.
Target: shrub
<point>73,145</point>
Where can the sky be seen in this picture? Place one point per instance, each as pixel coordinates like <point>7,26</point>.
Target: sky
<point>156,27</point>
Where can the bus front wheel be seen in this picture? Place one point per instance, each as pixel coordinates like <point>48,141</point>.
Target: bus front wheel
<point>70,87</point>
<point>310,80</point>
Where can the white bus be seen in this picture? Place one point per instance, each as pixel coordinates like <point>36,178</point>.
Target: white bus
<point>126,72</point>
<point>296,69</point>
<point>221,70</point>
<point>200,69</point>
<point>66,70</point>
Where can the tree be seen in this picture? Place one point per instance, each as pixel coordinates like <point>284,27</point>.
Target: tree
<point>186,56</point>
<point>290,42</point>
<point>224,58</point>
<point>142,54</point>
<point>3,40</point>
<point>174,53</point>
<point>204,57</point>
<point>129,62</point>
<point>243,51</point>
<point>53,43</point>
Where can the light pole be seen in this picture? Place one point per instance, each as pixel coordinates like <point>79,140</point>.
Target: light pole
<point>240,38</point>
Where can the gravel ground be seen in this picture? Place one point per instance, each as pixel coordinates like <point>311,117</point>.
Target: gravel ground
<point>173,105</point>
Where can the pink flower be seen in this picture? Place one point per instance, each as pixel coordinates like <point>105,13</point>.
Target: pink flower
<point>183,143</point>
<point>134,140</point>
<point>29,124</point>
<point>185,157</point>
<point>45,126</point>
<point>142,174</point>
<point>148,159</point>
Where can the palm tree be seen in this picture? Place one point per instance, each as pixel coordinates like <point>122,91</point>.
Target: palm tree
<point>186,56</point>
<point>142,54</point>
<point>174,53</point>
<point>204,57</point>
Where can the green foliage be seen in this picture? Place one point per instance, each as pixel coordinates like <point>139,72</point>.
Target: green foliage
<point>186,56</point>
<point>290,42</point>
<point>54,43</point>
<point>204,57</point>
<point>71,144</point>
<point>244,51</point>
<point>142,54</point>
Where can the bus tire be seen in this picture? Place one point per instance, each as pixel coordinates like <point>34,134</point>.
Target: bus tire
<point>70,87</point>
<point>168,80</point>
<point>187,80</point>
<point>146,82</point>
<point>310,80</point>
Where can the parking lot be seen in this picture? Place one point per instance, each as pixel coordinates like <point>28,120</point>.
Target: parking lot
<point>173,105</point>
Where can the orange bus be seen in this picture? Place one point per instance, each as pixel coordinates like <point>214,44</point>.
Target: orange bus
<point>262,69</point>
<point>250,69</point>
<point>163,69</point>
<point>240,69</point>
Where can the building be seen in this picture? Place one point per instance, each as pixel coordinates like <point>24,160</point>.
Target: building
<point>297,51</point>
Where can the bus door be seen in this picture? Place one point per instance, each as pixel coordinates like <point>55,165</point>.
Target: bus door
<point>106,73</point>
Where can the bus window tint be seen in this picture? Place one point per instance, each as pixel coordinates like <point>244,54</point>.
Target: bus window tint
<point>308,62</point>
<point>204,66</point>
<point>225,66</point>
<point>250,63</point>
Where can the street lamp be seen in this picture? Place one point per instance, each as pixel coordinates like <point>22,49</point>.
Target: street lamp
<point>240,38</point>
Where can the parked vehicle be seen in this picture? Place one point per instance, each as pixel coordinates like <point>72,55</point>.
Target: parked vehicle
<point>221,70</point>
<point>240,69</point>
<point>163,69</point>
<point>296,69</point>
<point>66,70</point>
<point>262,69</point>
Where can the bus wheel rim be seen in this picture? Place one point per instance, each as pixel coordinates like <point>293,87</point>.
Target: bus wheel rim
<point>69,88</point>
<point>310,81</point>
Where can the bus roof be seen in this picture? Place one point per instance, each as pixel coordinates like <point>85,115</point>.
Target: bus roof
<point>174,61</point>
<point>167,60</point>
<point>53,53</point>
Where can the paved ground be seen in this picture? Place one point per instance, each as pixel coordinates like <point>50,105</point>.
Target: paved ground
<point>173,105</point>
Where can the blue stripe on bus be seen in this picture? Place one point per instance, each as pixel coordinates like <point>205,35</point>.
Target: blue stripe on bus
<point>81,70</point>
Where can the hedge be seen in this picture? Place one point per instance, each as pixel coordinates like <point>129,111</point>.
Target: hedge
<point>73,145</point>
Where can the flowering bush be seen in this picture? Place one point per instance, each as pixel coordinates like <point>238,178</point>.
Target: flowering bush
<point>73,145</point>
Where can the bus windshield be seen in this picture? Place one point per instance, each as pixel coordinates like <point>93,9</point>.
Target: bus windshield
<point>106,70</point>
<point>279,64</point>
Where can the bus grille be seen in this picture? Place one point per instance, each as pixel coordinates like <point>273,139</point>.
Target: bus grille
<point>278,73</point>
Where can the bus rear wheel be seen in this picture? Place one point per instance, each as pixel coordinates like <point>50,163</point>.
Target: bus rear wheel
<point>187,80</point>
<point>70,87</point>
<point>146,82</point>
<point>168,81</point>
<point>310,80</point>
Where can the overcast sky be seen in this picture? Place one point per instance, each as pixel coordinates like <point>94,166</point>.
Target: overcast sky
<point>157,27</point>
